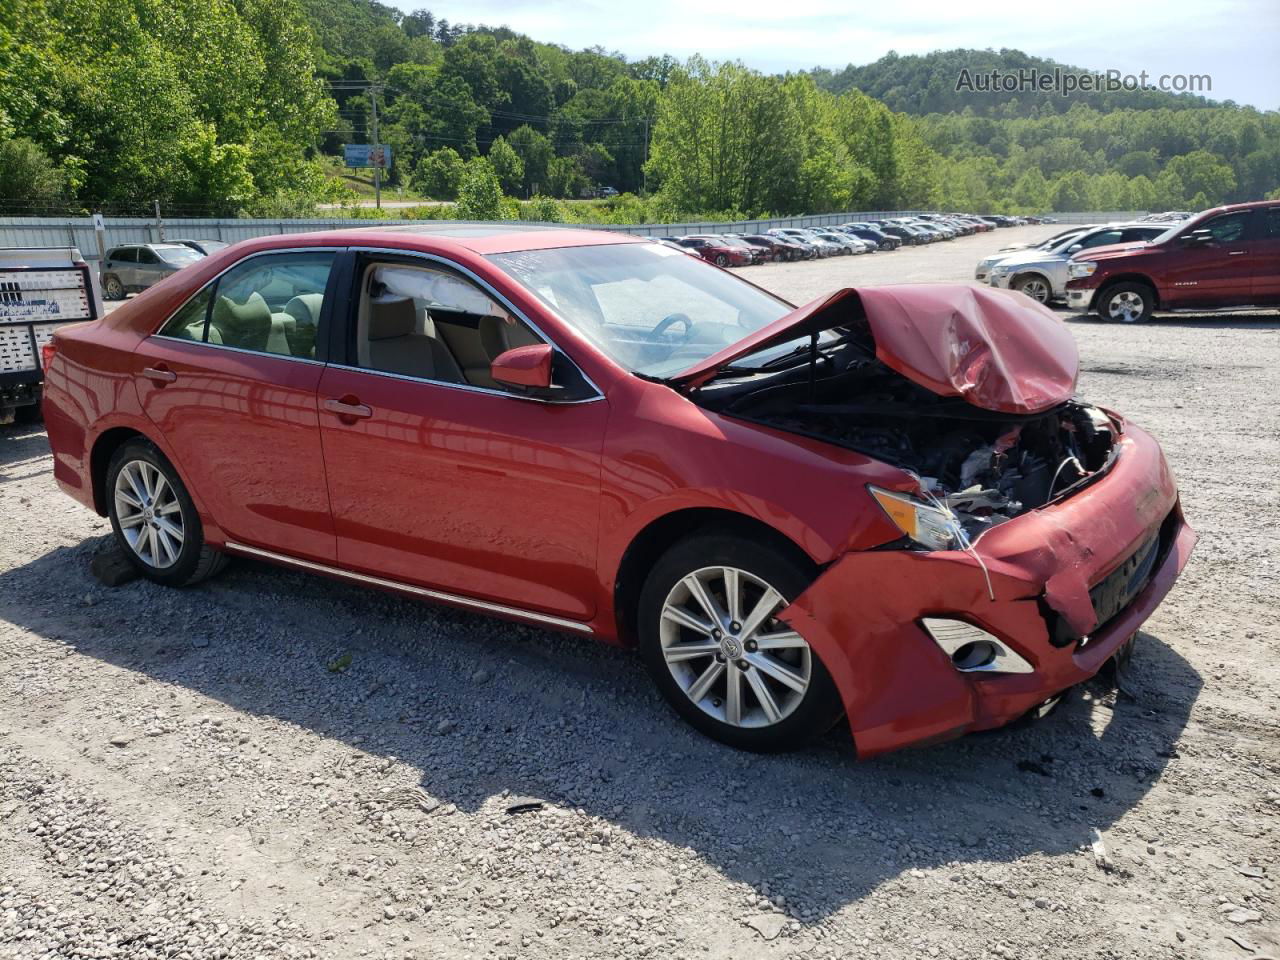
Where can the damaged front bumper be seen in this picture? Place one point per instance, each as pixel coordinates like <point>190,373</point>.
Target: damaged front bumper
<point>1064,587</point>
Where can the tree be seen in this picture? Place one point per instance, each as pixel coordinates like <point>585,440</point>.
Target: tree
<point>507,165</point>
<point>27,174</point>
<point>480,196</point>
<point>439,175</point>
<point>535,153</point>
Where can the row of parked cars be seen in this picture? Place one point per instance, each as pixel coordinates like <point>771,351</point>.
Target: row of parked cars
<point>848,239</point>
<point>1223,258</point>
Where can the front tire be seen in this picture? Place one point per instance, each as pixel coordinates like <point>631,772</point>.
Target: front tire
<point>1127,303</point>
<point>1034,286</point>
<point>711,641</point>
<point>721,260</point>
<point>155,520</point>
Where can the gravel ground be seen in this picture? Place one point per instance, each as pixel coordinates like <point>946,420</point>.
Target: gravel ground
<point>275,765</point>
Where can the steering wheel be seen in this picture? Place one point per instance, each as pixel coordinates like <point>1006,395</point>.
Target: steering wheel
<point>667,322</point>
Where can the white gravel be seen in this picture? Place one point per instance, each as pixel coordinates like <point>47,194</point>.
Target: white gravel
<point>182,775</point>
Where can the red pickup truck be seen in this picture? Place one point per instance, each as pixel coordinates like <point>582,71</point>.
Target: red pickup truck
<point>1227,257</point>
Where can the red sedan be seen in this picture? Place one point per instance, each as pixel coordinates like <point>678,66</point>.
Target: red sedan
<point>885,504</point>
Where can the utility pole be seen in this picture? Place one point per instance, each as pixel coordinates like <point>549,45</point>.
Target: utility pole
<point>377,171</point>
<point>644,176</point>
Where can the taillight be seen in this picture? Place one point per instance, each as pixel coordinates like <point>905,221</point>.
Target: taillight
<point>47,350</point>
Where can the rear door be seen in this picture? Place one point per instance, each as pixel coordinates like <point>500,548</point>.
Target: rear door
<point>124,264</point>
<point>1264,256</point>
<point>231,381</point>
<point>1216,274</point>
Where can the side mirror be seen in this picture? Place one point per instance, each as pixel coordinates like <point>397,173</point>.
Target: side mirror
<point>1198,238</point>
<point>528,366</point>
<point>1075,248</point>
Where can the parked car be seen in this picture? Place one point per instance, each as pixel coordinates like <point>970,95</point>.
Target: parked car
<point>41,288</point>
<point>822,248</point>
<point>907,235</point>
<point>1042,273</point>
<point>668,242</point>
<point>1227,257</point>
<point>781,249</point>
<point>204,246</point>
<point>584,432</point>
<point>1061,235</point>
<point>757,253</point>
<point>864,231</point>
<point>848,245</point>
<point>137,266</point>
<point>716,251</point>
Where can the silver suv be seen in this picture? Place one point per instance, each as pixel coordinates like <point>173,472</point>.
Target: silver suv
<point>1041,272</point>
<point>136,266</point>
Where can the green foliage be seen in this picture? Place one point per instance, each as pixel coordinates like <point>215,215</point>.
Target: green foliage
<point>26,173</point>
<point>507,165</point>
<point>439,174</point>
<point>542,210</point>
<point>480,196</point>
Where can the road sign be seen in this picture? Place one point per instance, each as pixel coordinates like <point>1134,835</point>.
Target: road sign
<point>367,155</point>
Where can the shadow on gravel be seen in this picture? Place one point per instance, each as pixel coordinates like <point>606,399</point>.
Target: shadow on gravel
<point>1207,321</point>
<point>577,724</point>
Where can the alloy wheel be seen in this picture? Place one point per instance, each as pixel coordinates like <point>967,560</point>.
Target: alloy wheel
<point>1126,306</point>
<point>1036,289</point>
<point>728,652</point>
<point>149,514</point>
<point>115,290</point>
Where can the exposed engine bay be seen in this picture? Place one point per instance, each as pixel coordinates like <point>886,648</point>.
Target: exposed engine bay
<point>983,466</point>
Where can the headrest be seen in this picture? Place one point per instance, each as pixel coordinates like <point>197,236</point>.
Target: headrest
<point>245,324</point>
<point>305,308</point>
<point>391,318</point>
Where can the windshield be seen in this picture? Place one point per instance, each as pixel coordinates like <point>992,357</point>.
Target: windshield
<point>650,309</point>
<point>177,254</point>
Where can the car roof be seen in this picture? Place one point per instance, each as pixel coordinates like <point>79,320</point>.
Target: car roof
<point>484,238</point>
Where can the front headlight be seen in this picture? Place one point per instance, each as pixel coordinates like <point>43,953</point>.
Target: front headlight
<point>1082,268</point>
<point>924,523</point>
<point>999,271</point>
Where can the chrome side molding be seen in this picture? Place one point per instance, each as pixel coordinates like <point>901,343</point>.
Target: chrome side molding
<point>439,595</point>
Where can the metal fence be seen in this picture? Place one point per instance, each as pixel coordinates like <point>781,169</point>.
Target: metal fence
<point>79,231</point>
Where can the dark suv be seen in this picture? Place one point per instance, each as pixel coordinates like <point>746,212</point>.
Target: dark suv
<point>1227,257</point>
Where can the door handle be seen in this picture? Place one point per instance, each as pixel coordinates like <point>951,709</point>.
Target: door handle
<point>348,408</point>
<point>160,375</point>
<point>1236,253</point>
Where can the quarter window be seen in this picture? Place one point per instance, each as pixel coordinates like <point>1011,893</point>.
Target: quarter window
<point>189,322</point>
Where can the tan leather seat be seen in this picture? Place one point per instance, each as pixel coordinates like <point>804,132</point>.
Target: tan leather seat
<point>394,347</point>
<point>497,336</point>
<point>245,325</point>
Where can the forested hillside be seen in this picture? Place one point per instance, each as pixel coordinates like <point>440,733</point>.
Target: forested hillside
<point>232,106</point>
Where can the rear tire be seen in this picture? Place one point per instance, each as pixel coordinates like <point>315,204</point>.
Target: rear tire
<point>155,520</point>
<point>112,288</point>
<point>1127,303</point>
<point>758,687</point>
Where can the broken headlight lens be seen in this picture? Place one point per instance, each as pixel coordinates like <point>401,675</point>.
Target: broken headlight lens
<point>925,524</point>
<point>1083,268</point>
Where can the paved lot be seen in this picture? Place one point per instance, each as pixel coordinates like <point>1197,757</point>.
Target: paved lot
<point>182,774</point>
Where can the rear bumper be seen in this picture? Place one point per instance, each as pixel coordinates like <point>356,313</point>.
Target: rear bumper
<point>862,615</point>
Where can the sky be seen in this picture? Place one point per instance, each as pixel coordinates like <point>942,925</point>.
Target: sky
<point>1235,42</point>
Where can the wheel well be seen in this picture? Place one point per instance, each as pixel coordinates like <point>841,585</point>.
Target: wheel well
<point>660,535</point>
<point>1127,278</point>
<point>1028,273</point>
<point>103,450</point>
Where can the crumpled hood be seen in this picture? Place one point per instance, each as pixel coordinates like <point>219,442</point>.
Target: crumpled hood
<point>996,349</point>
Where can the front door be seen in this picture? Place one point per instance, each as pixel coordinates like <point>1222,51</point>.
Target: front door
<point>440,477</point>
<point>1215,274</point>
<point>231,381</point>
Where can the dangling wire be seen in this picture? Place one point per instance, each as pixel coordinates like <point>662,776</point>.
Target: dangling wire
<point>966,544</point>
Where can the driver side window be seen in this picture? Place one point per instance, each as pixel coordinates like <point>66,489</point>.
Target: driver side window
<point>1227,228</point>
